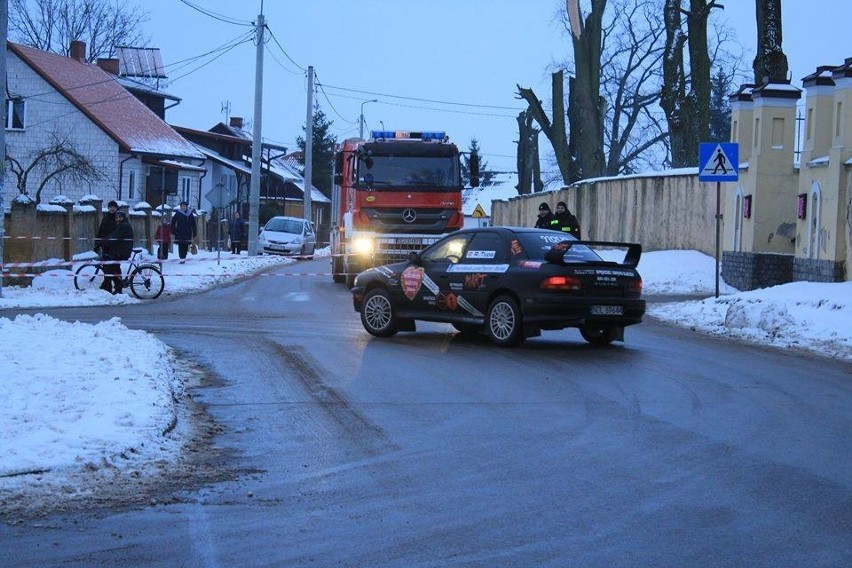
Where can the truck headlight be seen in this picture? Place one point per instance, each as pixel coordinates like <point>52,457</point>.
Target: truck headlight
<point>362,245</point>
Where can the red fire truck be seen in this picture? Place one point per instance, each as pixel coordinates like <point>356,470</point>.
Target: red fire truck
<point>393,193</point>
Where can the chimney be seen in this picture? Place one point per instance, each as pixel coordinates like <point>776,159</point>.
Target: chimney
<point>109,65</point>
<point>78,50</point>
<point>237,122</point>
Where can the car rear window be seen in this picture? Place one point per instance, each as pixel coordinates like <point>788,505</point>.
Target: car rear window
<point>537,244</point>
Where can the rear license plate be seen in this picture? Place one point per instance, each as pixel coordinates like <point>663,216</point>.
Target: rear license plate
<point>607,310</point>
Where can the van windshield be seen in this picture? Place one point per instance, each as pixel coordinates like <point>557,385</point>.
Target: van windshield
<point>284,226</point>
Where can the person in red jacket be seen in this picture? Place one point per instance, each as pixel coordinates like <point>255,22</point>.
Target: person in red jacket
<point>164,238</point>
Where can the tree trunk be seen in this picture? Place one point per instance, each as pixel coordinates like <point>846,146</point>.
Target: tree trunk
<point>554,131</point>
<point>770,63</point>
<point>584,109</point>
<point>687,112</point>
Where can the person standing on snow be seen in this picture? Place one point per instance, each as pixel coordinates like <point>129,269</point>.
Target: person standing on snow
<point>117,246</point>
<point>237,232</point>
<point>183,229</point>
<point>568,223</point>
<point>545,220</point>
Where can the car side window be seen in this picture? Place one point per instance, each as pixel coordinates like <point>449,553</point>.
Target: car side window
<point>450,250</point>
<point>486,248</point>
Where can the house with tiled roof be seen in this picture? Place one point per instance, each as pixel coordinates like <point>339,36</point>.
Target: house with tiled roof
<point>137,155</point>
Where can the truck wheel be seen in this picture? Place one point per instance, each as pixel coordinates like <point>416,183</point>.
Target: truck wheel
<point>337,270</point>
<point>378,315</point>
<point>598,336</point>
<point>504,324</point>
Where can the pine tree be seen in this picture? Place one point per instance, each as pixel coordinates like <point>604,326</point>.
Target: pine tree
<point>720,109</point>
<point>485,175</point>
<point>323,145</point>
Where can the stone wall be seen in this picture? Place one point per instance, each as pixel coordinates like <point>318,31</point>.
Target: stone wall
<point>672,211</point>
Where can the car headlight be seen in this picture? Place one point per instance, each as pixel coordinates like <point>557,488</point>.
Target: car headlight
<point>363,245</point>
<point>298,240</point>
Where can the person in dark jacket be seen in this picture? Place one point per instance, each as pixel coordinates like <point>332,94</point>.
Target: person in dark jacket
<point>546,219</point>
<point>117,246</point>
<point>183,229</point>
<point>237,232</point>
<point>106,227</point>
<point>568,223</point>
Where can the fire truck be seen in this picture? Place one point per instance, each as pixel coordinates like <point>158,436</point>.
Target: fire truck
<point>394,193</point>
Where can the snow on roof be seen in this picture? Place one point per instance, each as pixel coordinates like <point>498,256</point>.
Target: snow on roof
<point>237,165</point>
<point>287,174</point>
<point>133,85</point>
<point>105,102</point>
<point>183,165</point>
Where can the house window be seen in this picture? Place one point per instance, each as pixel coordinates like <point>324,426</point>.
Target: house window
<point>131,185</point>
<point>184,189</point>
<point>15,114</point>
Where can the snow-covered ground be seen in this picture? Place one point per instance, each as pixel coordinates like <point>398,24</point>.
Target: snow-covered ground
<point>67,431</point>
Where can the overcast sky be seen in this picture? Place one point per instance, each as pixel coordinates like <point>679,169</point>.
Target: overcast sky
<point>468,52</point>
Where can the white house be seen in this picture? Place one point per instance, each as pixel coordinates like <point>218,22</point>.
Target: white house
<point>53,98</point>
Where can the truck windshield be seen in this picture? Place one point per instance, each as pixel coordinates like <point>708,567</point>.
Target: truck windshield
<point>409,172</point>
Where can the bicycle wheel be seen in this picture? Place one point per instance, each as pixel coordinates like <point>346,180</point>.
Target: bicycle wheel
<point>147,282</point>
<point>89,277</point>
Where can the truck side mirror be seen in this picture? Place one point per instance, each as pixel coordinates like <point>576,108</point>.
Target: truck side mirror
<point>473,166</point>
<point>338,168</point>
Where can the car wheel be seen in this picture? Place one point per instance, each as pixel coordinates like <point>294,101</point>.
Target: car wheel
<point>598,335</point>
<point>504,323</point>
<point>377,313</point>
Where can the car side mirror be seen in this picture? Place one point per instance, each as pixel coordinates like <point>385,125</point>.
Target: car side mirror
<point>414,257</point>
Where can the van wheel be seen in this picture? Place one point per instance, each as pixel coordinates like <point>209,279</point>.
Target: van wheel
<point>378,315</point>
<point>504,322</point>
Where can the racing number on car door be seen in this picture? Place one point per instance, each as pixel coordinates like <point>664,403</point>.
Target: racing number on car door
<point>480,271</point>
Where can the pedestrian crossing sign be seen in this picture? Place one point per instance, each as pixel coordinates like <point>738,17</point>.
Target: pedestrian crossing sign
<point>718,161</point>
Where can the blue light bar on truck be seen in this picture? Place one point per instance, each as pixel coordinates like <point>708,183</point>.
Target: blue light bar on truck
<point>401,135</point>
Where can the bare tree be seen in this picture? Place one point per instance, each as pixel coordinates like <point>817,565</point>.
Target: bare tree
<point>686,92</point>
<point>57,161</point>
<point>555,131</point>
<point>50,25</point>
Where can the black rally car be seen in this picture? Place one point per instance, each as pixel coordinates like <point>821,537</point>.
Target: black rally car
<point>509,283</point>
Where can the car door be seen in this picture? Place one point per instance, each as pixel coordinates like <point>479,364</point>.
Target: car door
<point>310,238</point>
<point>479,274</point>
<point>425,284</point>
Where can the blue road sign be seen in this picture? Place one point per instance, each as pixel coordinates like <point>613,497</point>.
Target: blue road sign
<point>718,161</point>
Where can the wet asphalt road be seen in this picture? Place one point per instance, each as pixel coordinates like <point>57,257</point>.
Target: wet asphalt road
<point>429,449</point>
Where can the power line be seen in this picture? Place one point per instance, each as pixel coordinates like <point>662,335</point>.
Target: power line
<point>284,51</point>
<point>320,85</point>
<point>373,93</point>
<point>217,16</point>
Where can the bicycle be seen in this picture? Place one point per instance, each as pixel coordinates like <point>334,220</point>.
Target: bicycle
<point>144,279</point>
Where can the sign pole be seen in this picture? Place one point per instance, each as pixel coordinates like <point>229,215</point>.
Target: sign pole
<point>718,161</point>
<point>718,230</point>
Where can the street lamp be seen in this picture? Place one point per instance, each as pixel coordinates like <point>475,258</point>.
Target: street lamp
<point>361,121</point>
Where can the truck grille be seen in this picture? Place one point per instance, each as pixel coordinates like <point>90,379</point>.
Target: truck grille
<point>409,219</point>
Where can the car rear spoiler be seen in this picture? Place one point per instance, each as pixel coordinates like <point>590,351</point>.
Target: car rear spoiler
<point>631,258</point>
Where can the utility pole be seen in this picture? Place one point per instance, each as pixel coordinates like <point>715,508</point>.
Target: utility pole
<point>4,21</point>
<point>361,119</point>
<point>309,145</point>
<point>257,141</point>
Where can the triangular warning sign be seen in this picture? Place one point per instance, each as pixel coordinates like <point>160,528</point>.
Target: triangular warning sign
<point>479,212</point>
<point>718,164</point>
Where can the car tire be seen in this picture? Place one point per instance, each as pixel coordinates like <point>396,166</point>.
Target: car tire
<point>598,336</point>
<point>378,315</point>
<point>504,322</point>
